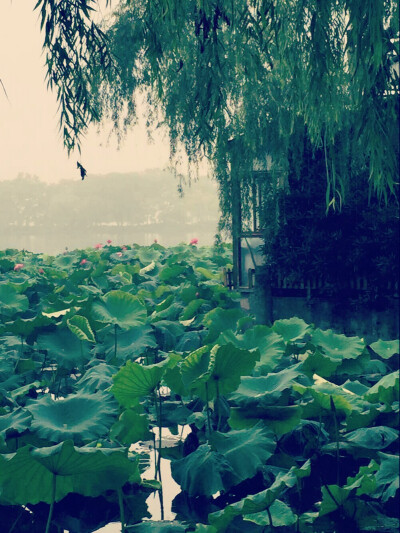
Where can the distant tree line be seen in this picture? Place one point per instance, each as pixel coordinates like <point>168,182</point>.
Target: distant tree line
<point>117,201</point>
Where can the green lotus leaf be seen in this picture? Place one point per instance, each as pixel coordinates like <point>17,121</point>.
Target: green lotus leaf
<point>230,365</point>
<point>291,329</point>
<point>79,325</point>
<point>24,390</point>
<point>195,368</point>
<point>203,472</point>
<point>259,502</point>
<point>388,474</point>
<point>10,301</point>
<point>134,381</point>
<point>167,334</point>
<point>27,475</point>
<point>78,416</point>
<point>279,418</point>
<point>170,313</point>
<point>386,390</point>
<point>99,377</point>
<point>246,450</point>
<point>17,421</point>
<point>270,345</point>
<point>147,268</point>
<point>281,514</point>
<point>265,390</point>
<point>130,428</point>
<point>131,343</point>
<point>65,262</point>
<point>375,438</point>
<point>385,349</point>
<point>170,273</point>
<point>218,320</point>
<point>332,498</point>
<point>64,347</point>
<point>318,362</point>
<point>25,326</point>
<point>337,347</point>
<point>192,308</point>
<point>120,308</point>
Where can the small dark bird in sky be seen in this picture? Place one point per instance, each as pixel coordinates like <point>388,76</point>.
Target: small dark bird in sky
<point>82,170</point>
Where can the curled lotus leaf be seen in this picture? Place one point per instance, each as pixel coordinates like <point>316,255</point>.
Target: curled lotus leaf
<point>78,416</point>
<point>120,308</point>
<point>17,421</point>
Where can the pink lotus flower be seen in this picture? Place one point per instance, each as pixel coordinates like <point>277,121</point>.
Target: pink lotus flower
<point>194,241</point>
<point>124,248</point>
<point>155,241</point>
<point>98,246</point>
<point>83,262</point>
<point>41,271</point>
<point>119,254</point>
<point>18,266</point>
<point>109,241</point>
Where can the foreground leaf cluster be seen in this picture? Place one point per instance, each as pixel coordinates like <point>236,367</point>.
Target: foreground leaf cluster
<point>286,426</point>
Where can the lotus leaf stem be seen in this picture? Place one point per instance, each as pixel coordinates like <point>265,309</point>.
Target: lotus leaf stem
<point>115,340</point>
<point>269,517</point>
<point>208,412</point>
<point>53,497</point>
<point>121,509</point>
<point>333,407</point>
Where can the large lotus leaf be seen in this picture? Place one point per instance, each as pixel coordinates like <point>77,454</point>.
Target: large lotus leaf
<point>27,475</point>
<point>344,400</point>
<point>190,341</point>
<point>270,345</point>
<point>64,347</point>
<point>332,498</point>
<point>318,362</point>
<point>120,308</point>
<point>203,472</point>
<point>65,262</point>
<point>25,326</point>
<point>134,381</point>
<point>99,377</point>
<point>388,474</point>
<point>10,301</point>
<point>265,390</point>
<point>79,325</point>
<point>291,329</point>
<point>78,416</point>
<point>167,334</point>
<point>170,273</point>
<point>218,320</point>
<point>259,502</point>
<point>195,368</point>
<point>337,347</point>
<point>279,418</point>
<point>132,343</point>
<point>375,438</point>
<point>17,421</point>
<point>171,312</point>
<point>246,450</point>
<point>385,349</point>
<point>281,515</point>
<point>192,308</point>
<point>230,365</point>
<point>130,428</point>
<point>386,390</point>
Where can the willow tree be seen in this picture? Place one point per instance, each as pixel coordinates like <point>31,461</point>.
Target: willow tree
<point>263,73</point>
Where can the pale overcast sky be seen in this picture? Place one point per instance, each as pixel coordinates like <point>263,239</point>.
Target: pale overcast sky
<point>29,137</point>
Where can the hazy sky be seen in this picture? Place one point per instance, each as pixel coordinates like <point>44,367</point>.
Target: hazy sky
<point>29,137</point>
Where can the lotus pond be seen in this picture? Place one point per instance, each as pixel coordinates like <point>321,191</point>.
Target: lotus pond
<point>114,362</point>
